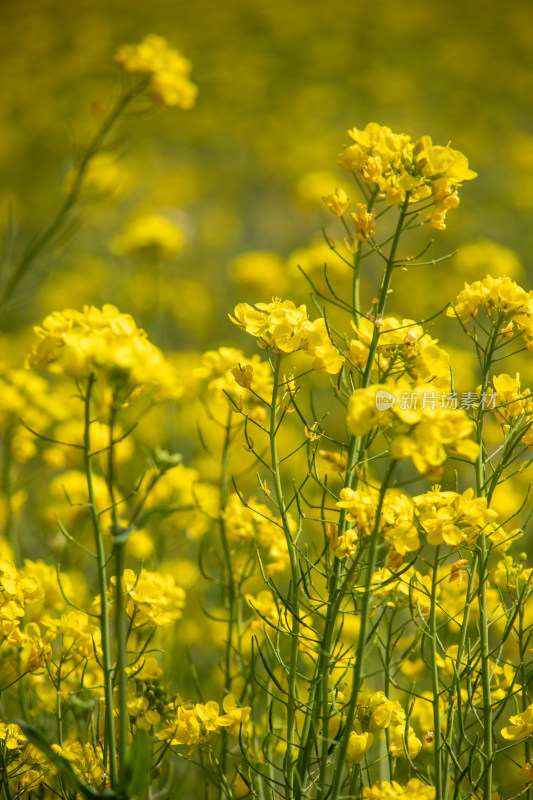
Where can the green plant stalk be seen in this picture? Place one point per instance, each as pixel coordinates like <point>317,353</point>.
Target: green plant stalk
<point>473,570</point>
<point>358,669</point>
<point>119,547</point>
<point>435,685</point>
<point>289,763</point>
<point>488,742</point>
<point>456,685</point>
<point>230,584</point>
<point>482,550</point>
<point>354,454</point>
<point>59,711</point>
<point>356,283</point>
<point>383,292</point>
<point>102,585</point>
<point>36,247</point>
<point>525,699</point>
<point>7,489</point>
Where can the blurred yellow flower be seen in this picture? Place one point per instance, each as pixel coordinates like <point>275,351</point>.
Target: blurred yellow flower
<point>167,69</point>
<point>154,236</point>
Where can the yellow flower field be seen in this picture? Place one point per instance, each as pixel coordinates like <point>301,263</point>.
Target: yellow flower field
<point>265,409</point>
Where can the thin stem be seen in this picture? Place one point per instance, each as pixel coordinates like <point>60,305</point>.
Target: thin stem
<point>358,669</point>
<point>435,685</point>
<point>294,600</point>
<point>230,585</point>
<point>102,585</point>
<point>121,677</point>
<point>35,248</point>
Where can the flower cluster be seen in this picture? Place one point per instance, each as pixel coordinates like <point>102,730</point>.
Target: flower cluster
<point>194,724</point>
<point>396,523</point>
<point>228,371</point>
<point>86,761</point>
<point>167,70</point>
<point>513,405</point>
<point>180,496</point>
<point>285,328</point>
<point>501,296</point>
<point>106,344</point>
<point>376,713</point>
<point>427,435</point>
<point>151,598</point>
<point>153,235</point>
<point>252,524</point>
<point>404,349</point>
<point>454,518</point>
<point>398,167</point>
<point>23,764</point>
<point>392,790</point>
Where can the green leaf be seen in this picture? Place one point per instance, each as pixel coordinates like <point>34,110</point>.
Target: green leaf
<point>138,768</point>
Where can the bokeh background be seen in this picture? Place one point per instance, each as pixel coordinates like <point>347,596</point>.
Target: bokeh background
<point>280,83</point>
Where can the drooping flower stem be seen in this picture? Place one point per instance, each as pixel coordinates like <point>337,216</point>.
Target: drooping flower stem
<point>58,223</point>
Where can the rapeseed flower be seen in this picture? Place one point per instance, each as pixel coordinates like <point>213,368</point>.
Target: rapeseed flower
<point>166,70</point>
<point>521,725</point>
<point>108,345</point>
<point>286,328</point>
<point>400,168</point>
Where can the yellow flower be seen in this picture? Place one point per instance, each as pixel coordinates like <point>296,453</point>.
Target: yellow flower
<point>152,235</point>
<point>107,344</point>
<point>401,168</point>
<point>501,295</point>
<point>338,202</point>
<point>413,790</point>
<point>364,222</point>
<point>285,328</point>
<point>521,725</point>
<point>454,518</point>
<point>396,519</point>
<point>397,746</point>
<point>234,716</point>
<point>167,69</point>
<point>151,598</point>
<point>435,161</point>
<point>343,545</point>
<point>359,743</point>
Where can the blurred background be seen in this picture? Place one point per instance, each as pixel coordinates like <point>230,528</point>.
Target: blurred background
<point>280,83</point>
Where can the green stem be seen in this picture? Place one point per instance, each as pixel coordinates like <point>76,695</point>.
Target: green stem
<point>294,600</point>
<point>55,226</point>
<point>482,550</point>
<point>357,267</point>
<point>383,292</point>
<point>119,547</point>
<point>320,683</point>
<point>7,489</point>
<point>102,585</point>
<point>358,669</point>
<point>229,585</point>
<point>435,685</point>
